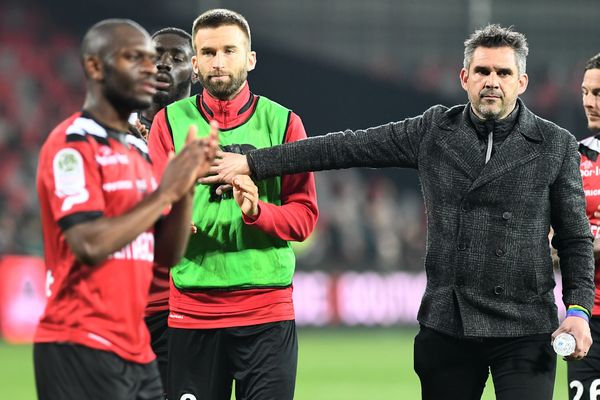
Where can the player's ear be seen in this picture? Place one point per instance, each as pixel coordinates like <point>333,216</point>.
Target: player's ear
<point>195,66</point>
<point>93,68</point>
<point>251,61</point>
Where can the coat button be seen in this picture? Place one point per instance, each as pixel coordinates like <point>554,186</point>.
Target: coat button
<point>462,246</point>
<point>506,215</point>
<point>498,290</point>
<point>499,252</point>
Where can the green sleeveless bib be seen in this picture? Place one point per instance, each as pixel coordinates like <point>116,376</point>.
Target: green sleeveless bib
<point>226,253</point>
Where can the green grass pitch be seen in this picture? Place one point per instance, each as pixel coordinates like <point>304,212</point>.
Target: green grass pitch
<point>334,364</point>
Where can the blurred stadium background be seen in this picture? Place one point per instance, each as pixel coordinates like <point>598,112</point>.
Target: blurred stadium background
<point>339,64</point>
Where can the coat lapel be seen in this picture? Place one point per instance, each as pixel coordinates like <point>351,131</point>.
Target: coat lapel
<point>460,143</point>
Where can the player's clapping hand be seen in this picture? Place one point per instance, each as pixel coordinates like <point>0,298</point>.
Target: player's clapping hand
<point>190,164</point>
<point>245,193</point>
<point>142,129</point>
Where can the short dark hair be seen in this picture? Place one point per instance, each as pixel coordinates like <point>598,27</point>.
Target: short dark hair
<point>593,63</point>
<point>494,36</point>
<point>173,31</point>
<point>218,17</point>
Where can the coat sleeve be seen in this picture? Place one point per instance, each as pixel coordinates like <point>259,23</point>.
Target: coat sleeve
<point>572,238</point>
<point>395,144</point>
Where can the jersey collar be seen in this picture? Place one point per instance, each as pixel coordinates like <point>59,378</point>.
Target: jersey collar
<point>228,113</point>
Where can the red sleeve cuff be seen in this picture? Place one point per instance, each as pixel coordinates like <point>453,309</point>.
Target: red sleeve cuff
<point>248,220</point>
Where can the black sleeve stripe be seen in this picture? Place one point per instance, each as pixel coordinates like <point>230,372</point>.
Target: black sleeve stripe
<point>102,140</point>
<point>287,125</point>
<point>76,218</point>
<point>75,137</point>
<point>170,129</point>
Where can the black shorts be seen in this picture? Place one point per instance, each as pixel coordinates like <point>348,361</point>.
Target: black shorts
<point>159,336</point>
<point>68,371</point>
<point>584,375</point>
<point>261,359</point>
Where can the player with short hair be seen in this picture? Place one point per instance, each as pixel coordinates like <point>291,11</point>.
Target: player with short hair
<point>495,178</point>
<point>232,315</point>
<point>174,76</point>
<point>584,376</point>
<point>101,213</point>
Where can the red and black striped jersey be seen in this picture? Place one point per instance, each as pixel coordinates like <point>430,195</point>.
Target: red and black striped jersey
<point>88,171</point>
<point>589,167</point>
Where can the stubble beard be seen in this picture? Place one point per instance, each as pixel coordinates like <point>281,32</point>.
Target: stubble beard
<point>223,90</point>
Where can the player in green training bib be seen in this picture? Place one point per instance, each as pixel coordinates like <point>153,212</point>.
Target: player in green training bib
<point>231,310</point>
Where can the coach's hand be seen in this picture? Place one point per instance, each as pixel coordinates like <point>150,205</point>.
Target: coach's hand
<point>580,329</point>
<point>225,167</point>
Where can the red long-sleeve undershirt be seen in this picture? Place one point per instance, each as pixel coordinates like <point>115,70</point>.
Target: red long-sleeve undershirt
<point>293,220</point>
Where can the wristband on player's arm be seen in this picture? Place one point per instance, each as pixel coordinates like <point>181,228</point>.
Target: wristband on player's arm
<point>575,310</point>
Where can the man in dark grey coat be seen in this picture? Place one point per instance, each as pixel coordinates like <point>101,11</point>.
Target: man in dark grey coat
<point>495,178</point>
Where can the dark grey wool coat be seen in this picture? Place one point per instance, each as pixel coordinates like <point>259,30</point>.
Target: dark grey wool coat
<point>488,264</point>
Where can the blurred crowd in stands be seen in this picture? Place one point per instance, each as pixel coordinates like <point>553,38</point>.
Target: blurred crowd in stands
<point>368,220</point>
<point>40,84</point>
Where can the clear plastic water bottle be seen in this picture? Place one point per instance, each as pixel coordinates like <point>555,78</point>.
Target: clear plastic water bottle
<point>564,344</point>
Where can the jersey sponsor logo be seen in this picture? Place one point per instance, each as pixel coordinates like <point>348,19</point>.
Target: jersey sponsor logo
<point>595,171</point>
<point>49,282</point>
<point>69,178</point>
<point>141,185</point>
<point>99,339</point>
<point>175,316</point>
<point>106,157</point>
<point>117,185</point>
<point>140,249</point>
<point>592,192</point>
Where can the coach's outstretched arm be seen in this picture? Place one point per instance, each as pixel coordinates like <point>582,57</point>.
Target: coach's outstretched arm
<point>395,144</point>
